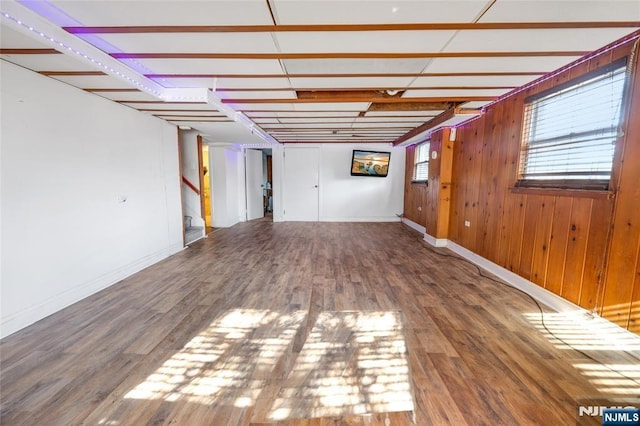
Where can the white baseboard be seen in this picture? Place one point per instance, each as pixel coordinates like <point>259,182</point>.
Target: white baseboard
<point>542,295</point>
<point>411,224</point>
<point>19,320</point>
<point>436,242</point>
<point>360,219</point>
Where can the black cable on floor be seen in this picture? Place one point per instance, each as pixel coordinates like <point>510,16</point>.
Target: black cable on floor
<point>533,299</point>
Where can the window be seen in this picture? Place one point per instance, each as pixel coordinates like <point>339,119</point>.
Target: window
<point>569,135</point>
<point>421,163</point>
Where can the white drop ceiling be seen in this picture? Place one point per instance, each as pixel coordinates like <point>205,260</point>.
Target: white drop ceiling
<point>306,71</point>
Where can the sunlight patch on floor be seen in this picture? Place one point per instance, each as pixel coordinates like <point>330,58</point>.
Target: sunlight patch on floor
<point>617,349</point>
<point>584,333</point>
<point>227,363</point>
<point>353,363</point>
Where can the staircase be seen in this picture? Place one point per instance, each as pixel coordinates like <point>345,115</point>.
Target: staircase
<point>192,233</point>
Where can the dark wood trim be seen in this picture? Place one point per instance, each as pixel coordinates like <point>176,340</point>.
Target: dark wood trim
<point>196,120</point>
<point>356,99</point>
<point>190,185</point>
<point>72,73</point>
<point>29,52</point>
<point>178,110</point>
<point>432,26</point>
<point>559,192</point>
<point>273,16</point>
<point>163,102</point>
<point>201,178</point>
<point>98,90</point>
<point>448,114</point>
<point>347,55</point>
<point>359,89</point>
<point>316,75</point>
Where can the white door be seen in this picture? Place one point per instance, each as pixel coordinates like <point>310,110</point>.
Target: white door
<point>301,167</point>
<point>255,186</point>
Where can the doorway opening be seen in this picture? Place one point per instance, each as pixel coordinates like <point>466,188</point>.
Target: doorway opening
<point>259,183</point>
<point>206,188</point>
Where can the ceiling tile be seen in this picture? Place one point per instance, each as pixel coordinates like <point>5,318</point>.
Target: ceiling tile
<point>356,12</point>
<point>429,113</point>
<point>354,66</point>
<point>12,39</point>
<point>55,62</point>
<point>212,66</point>
<point>541,40</point>
<point>95,82</point>
<point>350,82</point>
<point>562,10</point>
<point>470,81</point>
<point>364,41</point>
<point>248,94</point>
<point>511,64</point>
<point>159,12</point>
<point>192,42</point>
<point>453,93</point>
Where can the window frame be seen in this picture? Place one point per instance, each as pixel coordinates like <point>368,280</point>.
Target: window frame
<point>416,162</point>
<point>587,185</point>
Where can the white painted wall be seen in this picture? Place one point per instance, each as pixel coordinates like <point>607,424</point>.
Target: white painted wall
<point>190,168</point>
<point>346,198</point>
<point>226,164</point>
<point>69,161</point>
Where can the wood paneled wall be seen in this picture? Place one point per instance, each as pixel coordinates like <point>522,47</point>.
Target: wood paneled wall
<point>583,246</point>
<point>415,194</point>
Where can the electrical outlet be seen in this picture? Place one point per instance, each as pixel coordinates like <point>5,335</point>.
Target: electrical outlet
<point>467,224</point>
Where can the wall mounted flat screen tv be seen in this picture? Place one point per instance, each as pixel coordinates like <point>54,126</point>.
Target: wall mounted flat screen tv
<point>370,163</point>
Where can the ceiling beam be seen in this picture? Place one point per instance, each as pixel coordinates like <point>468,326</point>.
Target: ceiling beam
<point>72,73</point>
<point>436,99</point>
<point>325,75</point>
<point>412,106</point>
<point>29,52</point>
<point>432,26</point>
<point>347,55</point>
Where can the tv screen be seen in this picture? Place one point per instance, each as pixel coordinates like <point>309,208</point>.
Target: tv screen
<point>370,163</point>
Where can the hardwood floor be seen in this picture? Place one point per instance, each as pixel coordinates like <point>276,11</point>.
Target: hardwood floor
<point>351,323</point>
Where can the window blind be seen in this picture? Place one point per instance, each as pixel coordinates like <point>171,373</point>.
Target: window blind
<point>421,162</point>
<point>570,135</point>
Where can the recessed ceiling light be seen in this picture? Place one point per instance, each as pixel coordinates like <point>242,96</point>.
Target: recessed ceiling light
<point>394,9</point>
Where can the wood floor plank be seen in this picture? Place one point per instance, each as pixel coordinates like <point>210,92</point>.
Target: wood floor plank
<point>476,351</point>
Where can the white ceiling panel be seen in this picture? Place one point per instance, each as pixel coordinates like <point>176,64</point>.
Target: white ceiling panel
<point>251,83</point>
<point>354,66</point>
<point>365,41</point>
<point>563,10</point>
<point>355,12</point>
<point>225,132</point>
<point>266,120</point>
<point>429,113</point>
<point>373,121</point>
<point>470,81</point>
<point>159,12</point>
<point>196,114</point>
<point>193,42</point>
<point>324,106</point>
<point>349,82</point>
<point>510,64</point>
<point>305,114</point>
<point>475,104</point>
<point>262,107</point>
<point>542,40</point>
<point>212,66</point>
<point>244,94</point>
<point>126,96</point>
<point>93,82</point>
<point>173,106</point>
<point>399,125</point>
<point>11,39</point>
<point>453,93</point>
<point>317,120</point>
<point>54,62</point>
